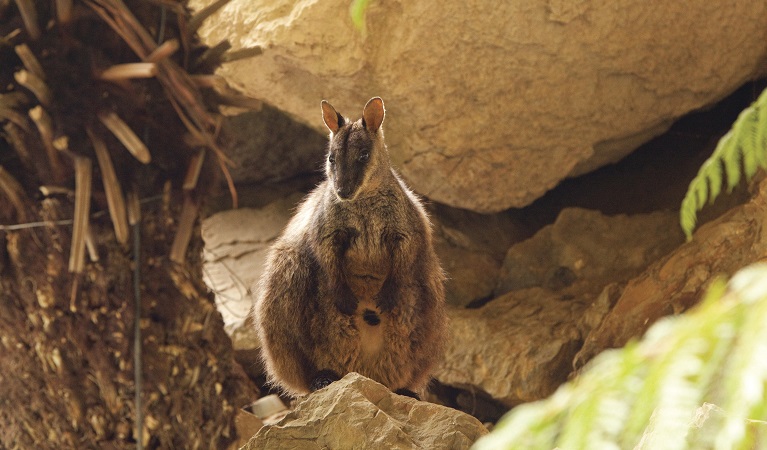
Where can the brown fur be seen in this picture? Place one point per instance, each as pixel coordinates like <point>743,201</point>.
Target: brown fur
<point>360,241</point>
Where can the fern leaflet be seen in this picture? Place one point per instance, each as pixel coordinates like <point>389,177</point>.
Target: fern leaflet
<point>744,143</point>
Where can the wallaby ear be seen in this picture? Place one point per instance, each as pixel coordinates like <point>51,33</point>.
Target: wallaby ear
<point>332,119</point>
<point>373,114</point>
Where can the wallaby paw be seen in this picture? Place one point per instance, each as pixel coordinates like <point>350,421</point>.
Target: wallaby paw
<point>323,379</point>
<point>407,393</point>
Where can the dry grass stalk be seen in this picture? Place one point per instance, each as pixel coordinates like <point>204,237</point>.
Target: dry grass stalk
<point>48,190</point>
<point>124,134</point>
<point>15,137</point>
<point>129,70</point>
<point>64,11</point>
<point>165,50</point>
<point>36,85</point>
<point>29,17</point>
<point>212,55</point>
<point>203,14</point>
<point>184,232</point>
<point>134,208</point>
<point>83,178</point>
<point>30,60</point>
<point>12,189</point>
<point>61,143</point>
<point>90,244</point>
<point>44,126</point>
<point>247,52</point>
<point>16,119</point>
<point>193,172</point>
<point>112,188</point>
<point>13,116</point>
<point>181,91</point>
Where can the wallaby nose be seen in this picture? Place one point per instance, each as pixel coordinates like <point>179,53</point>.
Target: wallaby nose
<point>344,192</point>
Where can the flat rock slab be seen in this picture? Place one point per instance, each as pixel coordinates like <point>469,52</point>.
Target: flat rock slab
<point>491,105</point>
<point>356,412</point>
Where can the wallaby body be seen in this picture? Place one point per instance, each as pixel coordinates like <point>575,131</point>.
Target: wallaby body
<point>353,283</point>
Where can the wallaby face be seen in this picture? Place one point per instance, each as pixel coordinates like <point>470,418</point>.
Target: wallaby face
<point>355,150</point>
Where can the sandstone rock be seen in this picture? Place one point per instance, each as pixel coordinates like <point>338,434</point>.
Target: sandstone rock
<point>675,282</point>
<point>269,146</point>
<point>489,106</point>
<point>357,412</point>
<point>517,348</point>
<point>236,243</point>
<point>471,248</point>
<point>585,250</point>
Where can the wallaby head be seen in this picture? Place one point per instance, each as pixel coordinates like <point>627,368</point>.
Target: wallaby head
<point>357,159</point>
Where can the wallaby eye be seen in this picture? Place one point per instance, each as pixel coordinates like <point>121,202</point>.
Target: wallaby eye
<point>331,159</point>
<point>364,157</point>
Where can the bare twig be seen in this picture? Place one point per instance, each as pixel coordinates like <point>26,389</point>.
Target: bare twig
<point>193,172</point>
<point>90,244</point>
<point>17,119</point>
<point>134,208</point>
<point>15,136</point>
<point>236,55</point>
<point>30,60</point>
<point>129,70</point>
<point>166,49</point>
<point>181,91</point>
<point>29,16</point>
<point>203,14</point>
<point>12,189</point>
<point>36,85</point>
<point>83,177</point>
<point>212,56</point>
<point>112,188</point>
<point>48,190</point>
<point>43,122</point>
<point>124,134</point>
<point>64,11</point>
<point>184,231</point>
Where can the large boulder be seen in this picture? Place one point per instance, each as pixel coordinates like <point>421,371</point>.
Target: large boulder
<point>491,105</point>
<point>357,412</point>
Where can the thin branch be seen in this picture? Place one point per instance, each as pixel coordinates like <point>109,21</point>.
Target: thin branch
<point>29,16</point>
<point>193,172</point>
<point>124,134</point>
<point>184,231</point>
<point>112,188</point>
<point>64,11</point>
<point>43,122</point>
<point>83,178</point>
<point>36,85</point>
<point>165,50</point>
<point>29,60</point>
<point>14,192</point>
<point>11,115</point>
<point>203,14</point>
<point>129,70</point>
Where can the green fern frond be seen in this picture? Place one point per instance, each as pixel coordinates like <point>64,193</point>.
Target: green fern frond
<point>647,395</point>
<point>357,12</point>
<point>743,144</point>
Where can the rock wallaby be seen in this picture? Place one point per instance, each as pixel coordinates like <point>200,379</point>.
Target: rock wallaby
<point>353,283</point>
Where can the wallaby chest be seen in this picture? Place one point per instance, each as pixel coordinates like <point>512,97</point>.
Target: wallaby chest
<point>365,246</point>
